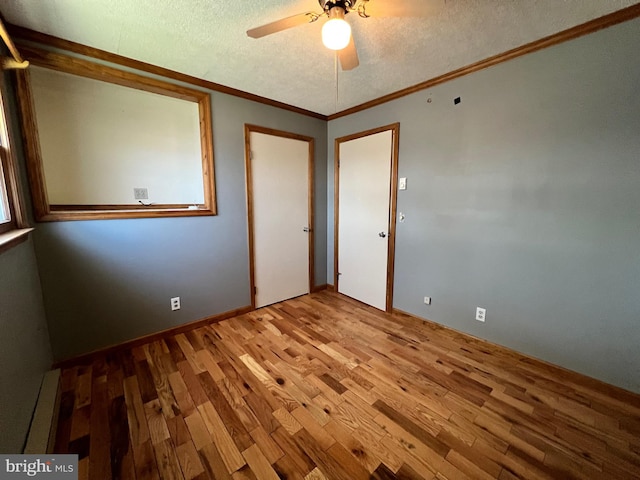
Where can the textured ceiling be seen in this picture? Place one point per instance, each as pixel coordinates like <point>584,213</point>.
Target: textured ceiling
<point>206,39</point>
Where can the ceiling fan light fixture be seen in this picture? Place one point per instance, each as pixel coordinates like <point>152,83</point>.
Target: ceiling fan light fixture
<point>336,33</point>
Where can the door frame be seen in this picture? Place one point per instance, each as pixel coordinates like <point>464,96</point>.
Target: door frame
<point>393,200</point>
<point>248,129</point>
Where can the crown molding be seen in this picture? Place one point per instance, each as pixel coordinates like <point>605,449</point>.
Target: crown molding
<point>591,26</point>
<point>22,34</point>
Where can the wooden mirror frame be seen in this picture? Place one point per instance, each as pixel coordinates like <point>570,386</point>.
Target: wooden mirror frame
<point>43,210</point>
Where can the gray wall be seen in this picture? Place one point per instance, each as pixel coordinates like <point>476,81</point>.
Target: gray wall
<point>525,199</point>
<point>108,281</point>
<point>25,353</point>
<point>24,344</point>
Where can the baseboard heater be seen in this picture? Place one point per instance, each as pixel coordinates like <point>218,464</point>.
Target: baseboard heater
<point>42,431</point>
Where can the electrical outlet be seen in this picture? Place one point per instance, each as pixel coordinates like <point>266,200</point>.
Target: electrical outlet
<point>427,300</point>
<point>175,303</point>
<point>481,314</point>
<point>141,194</point>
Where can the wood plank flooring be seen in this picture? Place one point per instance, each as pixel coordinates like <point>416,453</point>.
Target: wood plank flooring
<point>322,387</point>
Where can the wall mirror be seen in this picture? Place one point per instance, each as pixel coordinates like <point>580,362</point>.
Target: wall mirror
<point>106,143</point>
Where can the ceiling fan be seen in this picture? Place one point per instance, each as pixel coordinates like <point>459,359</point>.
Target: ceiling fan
<point>336,32</point>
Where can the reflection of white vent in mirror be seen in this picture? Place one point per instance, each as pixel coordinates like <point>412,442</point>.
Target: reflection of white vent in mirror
<point>140,193</point>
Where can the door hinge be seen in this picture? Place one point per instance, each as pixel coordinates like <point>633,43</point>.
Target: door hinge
<point>255,290</point>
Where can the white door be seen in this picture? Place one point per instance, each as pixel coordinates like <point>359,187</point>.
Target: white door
<point>365,166</point>
<point>279,172</point>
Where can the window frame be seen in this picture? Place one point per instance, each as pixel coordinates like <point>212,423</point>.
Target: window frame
<point>6,200</point>
<point>84,68</point>
<point>9,183</point>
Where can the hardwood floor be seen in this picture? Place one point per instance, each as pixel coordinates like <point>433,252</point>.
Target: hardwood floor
<point>324,387</point>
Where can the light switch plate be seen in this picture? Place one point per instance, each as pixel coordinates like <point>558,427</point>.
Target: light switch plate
<point>402,183</point>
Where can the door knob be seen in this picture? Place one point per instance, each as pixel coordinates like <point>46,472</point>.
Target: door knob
<point>382,234</point>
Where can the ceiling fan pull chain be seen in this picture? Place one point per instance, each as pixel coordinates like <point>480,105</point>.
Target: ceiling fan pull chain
<point>335,66</point>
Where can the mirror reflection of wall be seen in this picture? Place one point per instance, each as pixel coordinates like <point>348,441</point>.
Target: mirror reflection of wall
<point>103,146</point>
<point>99,141</point>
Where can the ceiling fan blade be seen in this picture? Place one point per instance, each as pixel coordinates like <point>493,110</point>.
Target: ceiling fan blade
<point>349,56</point>
<point>401,8</point>
<point>282,24</point>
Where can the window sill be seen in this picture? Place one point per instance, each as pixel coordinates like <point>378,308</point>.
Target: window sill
<point>14,237</point>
